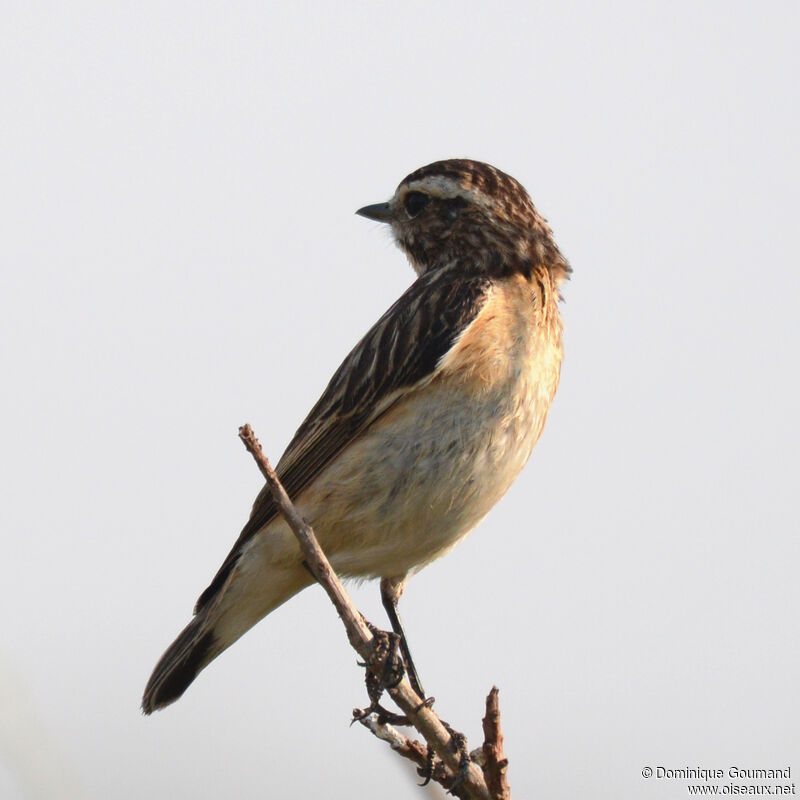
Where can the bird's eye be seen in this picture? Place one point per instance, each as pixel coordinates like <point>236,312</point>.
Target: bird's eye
<point>414,203</point>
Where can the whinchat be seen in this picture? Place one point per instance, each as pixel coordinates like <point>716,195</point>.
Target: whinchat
<point>424,426</point>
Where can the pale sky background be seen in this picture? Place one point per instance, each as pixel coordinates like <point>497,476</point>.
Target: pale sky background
<point>180,256</point>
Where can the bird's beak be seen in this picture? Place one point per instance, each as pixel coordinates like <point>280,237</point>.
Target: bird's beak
<point>380,212</point>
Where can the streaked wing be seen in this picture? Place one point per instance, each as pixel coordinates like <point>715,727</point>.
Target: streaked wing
<point>401,352</point>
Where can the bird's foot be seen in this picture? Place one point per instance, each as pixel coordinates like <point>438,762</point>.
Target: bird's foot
<point>385,669</point>
<point>385,662</point>
<point>386,666</point>
<point>459,744</point>
<point>436,770</point>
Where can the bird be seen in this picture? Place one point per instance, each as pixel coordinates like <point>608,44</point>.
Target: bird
<point>426,423</point>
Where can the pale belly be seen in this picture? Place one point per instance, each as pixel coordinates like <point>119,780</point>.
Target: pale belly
<point>426,474</point>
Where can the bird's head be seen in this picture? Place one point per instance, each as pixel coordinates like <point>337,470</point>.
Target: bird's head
<point>462,210</point>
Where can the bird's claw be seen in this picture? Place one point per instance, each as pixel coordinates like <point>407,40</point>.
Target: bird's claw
<point>426,772</point>
<point>459,744</point>
<point>426,703</point>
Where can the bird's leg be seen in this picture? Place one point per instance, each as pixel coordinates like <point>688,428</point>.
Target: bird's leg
<point>391,591</point>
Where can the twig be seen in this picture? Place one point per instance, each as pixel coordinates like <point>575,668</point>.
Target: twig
<point>496,765</point>
<point>419,715</point>
<point>399,742</point>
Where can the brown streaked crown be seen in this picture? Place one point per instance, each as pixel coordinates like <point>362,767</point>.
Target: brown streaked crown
<point>468,211</point>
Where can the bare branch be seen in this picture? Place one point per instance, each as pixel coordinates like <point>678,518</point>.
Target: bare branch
<point>404,745</point>
<point>496,765</point>
<point>408,748</point>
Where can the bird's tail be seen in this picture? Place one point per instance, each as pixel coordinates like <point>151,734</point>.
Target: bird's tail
<point>241,603</point>
<point>194,649</point>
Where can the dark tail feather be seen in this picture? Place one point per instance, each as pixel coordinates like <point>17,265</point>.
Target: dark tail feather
<point>194,648</point>
<point>244,598</point>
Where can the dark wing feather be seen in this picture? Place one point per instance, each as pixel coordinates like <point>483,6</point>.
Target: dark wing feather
<point>401,351</point>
